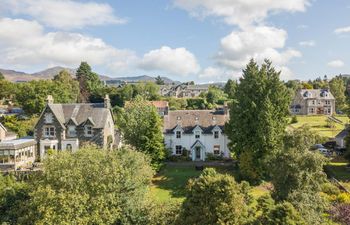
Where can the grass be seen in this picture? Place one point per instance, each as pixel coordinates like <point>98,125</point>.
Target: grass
<point>319,124</point>
<point>170,183</point>
<point>340,172</point>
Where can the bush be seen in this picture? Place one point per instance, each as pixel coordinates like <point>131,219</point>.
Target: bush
<point>212,157</point>
<point>294,119</point>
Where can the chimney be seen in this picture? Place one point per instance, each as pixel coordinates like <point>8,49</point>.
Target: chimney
<point>107,102</point>
<point>49,99</point>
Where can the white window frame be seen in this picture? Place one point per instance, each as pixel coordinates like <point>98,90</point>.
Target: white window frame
<point>178,134</point>
<point>216,134</point>
<point>197,134</point>
<point>70,133</point>
<point>216,150</point>
<point>49,131</point>
<point>88,131</point>
<point>178,150</point>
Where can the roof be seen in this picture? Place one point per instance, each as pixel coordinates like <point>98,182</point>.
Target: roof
<point>342,134</point>
<point>316,94</point>
<point>17,143</point>
<point>3,127</point>
<point>160,104</point>
<point>80,113</point>
<point>207,120</point>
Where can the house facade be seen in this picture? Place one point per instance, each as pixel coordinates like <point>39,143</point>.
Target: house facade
<point>200,132</point>
<point>68,126</point>
<point>162,107</point>
<point>183,90</point>
<point>313,102</point>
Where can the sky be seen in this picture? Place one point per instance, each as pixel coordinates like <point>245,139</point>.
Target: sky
<point>199,40</point>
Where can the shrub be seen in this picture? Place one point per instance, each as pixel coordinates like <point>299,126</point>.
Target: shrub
<point>294,119</point>
<point>212,157</point>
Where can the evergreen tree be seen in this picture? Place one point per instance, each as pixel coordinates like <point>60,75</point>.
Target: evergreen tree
<point>89,82</point>
<point>258,118</point>
<point>159,81</point>
<point>337,88</point>
<point>230,88</point>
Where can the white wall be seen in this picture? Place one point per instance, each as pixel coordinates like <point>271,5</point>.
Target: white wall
<point>208,140</point>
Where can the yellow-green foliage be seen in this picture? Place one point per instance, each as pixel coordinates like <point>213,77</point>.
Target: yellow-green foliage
<point>319,124</point>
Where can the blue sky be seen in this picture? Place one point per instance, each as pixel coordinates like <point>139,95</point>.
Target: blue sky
<point>200,40</point>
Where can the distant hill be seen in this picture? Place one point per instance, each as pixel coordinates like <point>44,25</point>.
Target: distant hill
<point>142,78</point>
<point>18,76</point>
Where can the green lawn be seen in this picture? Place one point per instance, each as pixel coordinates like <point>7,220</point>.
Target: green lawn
<point>319,124</point>
<point>340,172</point>
<point>170,183</point>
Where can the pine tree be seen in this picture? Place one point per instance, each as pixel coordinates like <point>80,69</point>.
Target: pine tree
<point>89,82</point>
<point>258,118</point>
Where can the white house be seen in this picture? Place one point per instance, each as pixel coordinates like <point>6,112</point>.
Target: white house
<point>198,131</point>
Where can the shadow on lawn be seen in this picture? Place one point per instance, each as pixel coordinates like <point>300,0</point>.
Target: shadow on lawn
<point>338,171</point>
<point>174,179</point>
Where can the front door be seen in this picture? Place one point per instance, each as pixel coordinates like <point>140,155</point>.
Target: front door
<point>198,153</point>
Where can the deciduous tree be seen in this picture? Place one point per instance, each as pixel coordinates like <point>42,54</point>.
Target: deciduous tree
<point>141,128</point>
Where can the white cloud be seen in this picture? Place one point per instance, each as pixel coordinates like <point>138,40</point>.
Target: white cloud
<point>310,43</point>
<point>218,74</point>
<point>342,30</point>
<point>177,61</point>
<point>240,12</point>
<point>259,43</point>
<point>25,43</point>
<point>63,14</point>
<point>336,63</point>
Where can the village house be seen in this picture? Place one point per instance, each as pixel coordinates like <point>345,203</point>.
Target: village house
<point>313,102</point>
<point>68,126</point>
<point>183,90</point>
<point>15,153</point>
<point>200,132</point>
<point>162,107</point>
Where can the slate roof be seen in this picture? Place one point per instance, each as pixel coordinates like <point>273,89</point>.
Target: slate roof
<point>316,94</point>
<point>189,119</point>
<point>80,113</point>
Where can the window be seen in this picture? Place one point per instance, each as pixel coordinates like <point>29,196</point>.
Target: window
<point>329,110</point>
<point>178,150</point>
<point>216,134</point>
<point>88,131</point>
<point>311,110</point>
<point>48,118</point>
<point>328,102</point>
<point>197,134</point>
<point>313,102</point>
<point>49,132</point>
<point>69,147</point>
<point>178,134</point>
<point>72,131</point>
<point>216,149</point>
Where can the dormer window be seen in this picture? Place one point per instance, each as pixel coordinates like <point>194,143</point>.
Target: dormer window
<point>48,118</point>
<point>72,131</point>
<point>178,134</point>
<point>197,134</point>
<point>88,131</point>
<point>216,134</point>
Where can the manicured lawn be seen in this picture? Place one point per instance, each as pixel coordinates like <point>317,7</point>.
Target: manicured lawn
<point>319,125</point>
<point>170,183</point>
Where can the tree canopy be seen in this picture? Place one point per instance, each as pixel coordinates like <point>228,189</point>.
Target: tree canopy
<point>91,187</point>
<point>258,118</point>
<point>89,82</point>
<point>141,127</point>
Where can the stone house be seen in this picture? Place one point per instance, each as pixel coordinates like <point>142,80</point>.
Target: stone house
<point>162,107</point>
<point>183,90</point>
<point>68,126</point>
<point>313,102</point>
<point>200,132</point>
